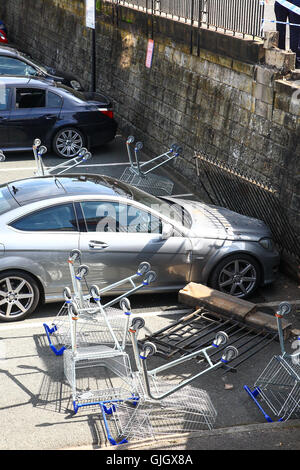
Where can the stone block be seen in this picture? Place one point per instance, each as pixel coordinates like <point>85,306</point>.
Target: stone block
<point>282,60</point>
<point>263,93</point>
<point>265,75</point>
<point>263,109</point>
<point>194,294</point>
<point>271,39</point>
<point>243,67</point>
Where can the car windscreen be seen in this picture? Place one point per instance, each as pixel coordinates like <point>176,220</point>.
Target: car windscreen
<point>7,202</point>
<point>33,61</point>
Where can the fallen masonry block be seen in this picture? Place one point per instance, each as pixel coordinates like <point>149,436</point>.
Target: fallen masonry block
<point>195,295</point>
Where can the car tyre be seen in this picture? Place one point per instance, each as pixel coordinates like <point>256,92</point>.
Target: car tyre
<point>67,142</point>
<point>237,275</point>
<point>19,295</point>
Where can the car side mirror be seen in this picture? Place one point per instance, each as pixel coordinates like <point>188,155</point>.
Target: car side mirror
<point>167,231</point>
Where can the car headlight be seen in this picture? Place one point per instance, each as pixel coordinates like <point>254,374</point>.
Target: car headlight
<point>267,243</point>
<point>75,84</point>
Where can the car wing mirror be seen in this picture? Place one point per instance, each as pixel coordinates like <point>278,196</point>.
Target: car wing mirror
<point>167,231</point>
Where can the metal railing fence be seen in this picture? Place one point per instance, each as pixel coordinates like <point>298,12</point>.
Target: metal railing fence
<point>241,192</point>
<point>237,16</point>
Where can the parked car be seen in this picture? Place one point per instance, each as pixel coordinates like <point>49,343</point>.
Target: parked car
<point>16,62</point>
<point>63,119</point>
<point>116,226</point>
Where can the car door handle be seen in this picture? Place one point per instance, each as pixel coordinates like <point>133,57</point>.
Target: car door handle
<point>97,244</point>
<point>2,118</point>
<point>50,116</point>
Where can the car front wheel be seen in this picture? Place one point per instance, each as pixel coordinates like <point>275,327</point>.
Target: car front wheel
<point>237,275</point>
<point>67,142</point>
<point>19,296</point>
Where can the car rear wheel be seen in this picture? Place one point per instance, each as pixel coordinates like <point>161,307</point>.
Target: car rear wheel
<point>19,295</point>
<point>67,142</point>
<point>237,275</point>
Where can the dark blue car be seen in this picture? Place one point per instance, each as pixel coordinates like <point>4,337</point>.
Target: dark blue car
<point>64,120</point>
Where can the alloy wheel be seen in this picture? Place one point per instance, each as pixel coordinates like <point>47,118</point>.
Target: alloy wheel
<point>238,278</point>
<point>68,142</point>
<point>16,297</point>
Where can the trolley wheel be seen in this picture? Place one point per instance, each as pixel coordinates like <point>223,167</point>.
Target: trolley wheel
<point>87,156</point>
<point>130,139</point>
<point>83,270</point>
<point>149,349</point>
<point>230,353</point>
<point>37,142</point>
<point>74,310</point>
<point>125,304</point>
<point>94,291</point>
<point>19,295</point>
<point>143,267</point>
<point>150,277</point>
<point>139,146</point>
<point>221,338</point>
<point>284,308</point>
<point>75,254</point>
<point>43,149</point>
<point>83,151</point>
<point>137,323</point>
<point>67,293</point>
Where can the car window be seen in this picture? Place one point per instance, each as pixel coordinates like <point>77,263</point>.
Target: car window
<point>30,98</point>
<point>54,101</point>
<point>108,216</point>
<point>4,97</point>
<point>59,218</point>
<point>11,66</point>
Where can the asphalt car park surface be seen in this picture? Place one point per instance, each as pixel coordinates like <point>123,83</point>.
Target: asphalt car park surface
<point>36,407</point>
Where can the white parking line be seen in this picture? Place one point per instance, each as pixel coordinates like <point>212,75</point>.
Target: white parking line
<point>23,326</point>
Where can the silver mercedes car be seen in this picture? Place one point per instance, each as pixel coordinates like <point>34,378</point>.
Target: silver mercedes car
<point>116,226</point>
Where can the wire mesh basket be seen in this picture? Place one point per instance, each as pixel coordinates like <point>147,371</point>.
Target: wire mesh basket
<point>151,183</point>
<point>89,386</point>
<point>187,409</point>
<point>91,327</point>
<point>279,387</point>
<point>127,420</point>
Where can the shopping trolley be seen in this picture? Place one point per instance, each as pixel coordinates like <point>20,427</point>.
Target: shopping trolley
<point>139,416</point>
<point>278,385</point>
<point>140,174</point>
<point>92,326</point>
<point>149,349</point>
<point>179,407</point>
<point>39,150</point>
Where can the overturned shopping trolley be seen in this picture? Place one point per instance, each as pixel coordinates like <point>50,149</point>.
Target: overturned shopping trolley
<point>140,174</point>
<point>39,150</point>
<point>172,408</point>
<point>156,406</point>
<point>92,326</point>
<point>278,386</point>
